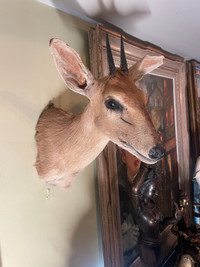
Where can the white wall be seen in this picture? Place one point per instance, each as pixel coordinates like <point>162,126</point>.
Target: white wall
<point>34,232</point>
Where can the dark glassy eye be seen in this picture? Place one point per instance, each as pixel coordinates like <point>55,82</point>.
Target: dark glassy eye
<point>114,105</point>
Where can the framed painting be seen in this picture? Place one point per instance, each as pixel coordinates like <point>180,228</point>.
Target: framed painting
<point>193,77</point>
<point>166,103</point>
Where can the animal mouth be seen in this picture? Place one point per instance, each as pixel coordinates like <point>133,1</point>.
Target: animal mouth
<point>137,154</point>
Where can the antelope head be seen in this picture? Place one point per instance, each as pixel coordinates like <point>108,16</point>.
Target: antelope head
<point>116,111</point>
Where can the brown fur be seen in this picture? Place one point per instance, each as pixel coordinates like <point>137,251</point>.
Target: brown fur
<point>63,148</point>
<point>68,143</point>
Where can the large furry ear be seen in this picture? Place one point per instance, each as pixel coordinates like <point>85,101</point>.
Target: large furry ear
<point>71,68</point>
<point>146,65</point>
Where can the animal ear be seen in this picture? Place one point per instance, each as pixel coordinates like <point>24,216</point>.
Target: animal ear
<point>71,68</point>
<point>144,66</point>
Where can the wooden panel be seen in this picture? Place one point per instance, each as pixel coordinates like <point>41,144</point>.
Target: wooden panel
<point>173,68</point>
<point>109,197</point>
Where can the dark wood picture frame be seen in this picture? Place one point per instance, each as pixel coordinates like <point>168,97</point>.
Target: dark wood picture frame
<point>193,75</point>
<point>173,68</point>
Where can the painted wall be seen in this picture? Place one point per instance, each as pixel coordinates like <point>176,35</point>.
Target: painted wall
<point>34,231</point>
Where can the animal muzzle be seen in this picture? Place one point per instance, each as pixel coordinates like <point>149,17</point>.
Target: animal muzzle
<point>157,152</point>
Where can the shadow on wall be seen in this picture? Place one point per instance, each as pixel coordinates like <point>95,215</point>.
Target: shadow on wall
<point>70,102</point>
<point>83,245</point>
<point>101,10</point>
<point>86,242</point>
<point>0,259</point>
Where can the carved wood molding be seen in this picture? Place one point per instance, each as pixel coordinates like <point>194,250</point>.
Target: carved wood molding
<point>173,68</point>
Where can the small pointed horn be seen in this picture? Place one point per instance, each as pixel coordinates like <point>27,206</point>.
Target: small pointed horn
<point>124,66</point>
<point>111,63</point>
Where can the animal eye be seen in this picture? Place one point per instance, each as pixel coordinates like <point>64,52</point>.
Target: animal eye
<point>113,105</point>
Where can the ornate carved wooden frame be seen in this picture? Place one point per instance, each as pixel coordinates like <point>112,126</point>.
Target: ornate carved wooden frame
<point>174,68</point>
<point>193,69</point>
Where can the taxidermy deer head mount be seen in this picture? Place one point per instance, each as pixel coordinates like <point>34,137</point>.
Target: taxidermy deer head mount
<point>68,143</point>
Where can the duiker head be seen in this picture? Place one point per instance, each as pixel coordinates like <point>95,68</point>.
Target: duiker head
<point>116,112</point>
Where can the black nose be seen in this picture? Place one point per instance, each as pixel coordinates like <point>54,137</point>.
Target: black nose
<point>157,152</point>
